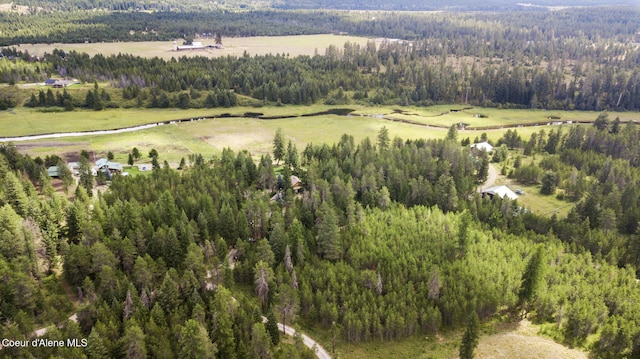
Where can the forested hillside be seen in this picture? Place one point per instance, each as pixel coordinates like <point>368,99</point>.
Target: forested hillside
<point>374,241</point>
<point>583,63</point>
<point>386,240</point>
<point>185,5</point>
<point>485,29</point>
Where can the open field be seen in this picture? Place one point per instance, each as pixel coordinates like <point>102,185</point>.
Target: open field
<point>209,136</point>
<point>447,115</point>
<point>233,46</point>
<point>23,121</point>
<point>521,340</point>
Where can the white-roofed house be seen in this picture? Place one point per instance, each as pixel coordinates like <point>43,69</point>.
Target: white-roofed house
<point>482,146</point>
<point>500,191</point>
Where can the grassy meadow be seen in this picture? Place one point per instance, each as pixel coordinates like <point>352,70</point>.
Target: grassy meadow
<point>23,121</point>
<point>233,46</point>
<point>209,137</point>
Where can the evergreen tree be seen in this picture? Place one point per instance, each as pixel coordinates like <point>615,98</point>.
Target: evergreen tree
<point>134,343</point>
<point>532,278</point>
<point>452,134</point>
<point>278,146</point>
<point>329,241</point>
<point>194,342</point>
<point>95,346</point>
<point>260,348</point>
<point>548,183</point>
<point>470,337</point>
<point>383,138</point>
<point>272,327</point>
<point>86,177</point>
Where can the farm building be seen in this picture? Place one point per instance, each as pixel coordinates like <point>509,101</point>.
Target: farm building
<point>106,165</point>
<point>196,45</point>
<point>482,146</point>
<point>74,167</point>
<point>53,171</point>
<point>296,184</point>
<point>500,191</point>
<point>57,83</point>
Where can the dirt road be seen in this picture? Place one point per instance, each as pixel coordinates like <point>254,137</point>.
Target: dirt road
<point>492,176</point>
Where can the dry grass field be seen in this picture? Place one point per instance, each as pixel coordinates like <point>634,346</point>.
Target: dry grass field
<point>522,342</point>
<point>233,46</point>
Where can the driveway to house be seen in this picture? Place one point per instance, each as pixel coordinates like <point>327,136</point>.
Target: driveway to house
<point>492,176</point>
<point>321,353</point>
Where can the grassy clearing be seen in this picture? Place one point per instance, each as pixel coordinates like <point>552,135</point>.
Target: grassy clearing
<point>257,135</point>
<point>27,121</point>
<point>522,341</point>
<point>234,46</point>
<point>169,141</point>
<point>210,137</point>
<point>498,340</point>
<point>443,115</point>
<point>24,121</point>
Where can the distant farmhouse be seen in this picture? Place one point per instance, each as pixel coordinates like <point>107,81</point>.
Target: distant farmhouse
<point>58,83</point>
<point>197,45</point>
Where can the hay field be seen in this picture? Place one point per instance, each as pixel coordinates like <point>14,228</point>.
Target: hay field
<point>233,46</point>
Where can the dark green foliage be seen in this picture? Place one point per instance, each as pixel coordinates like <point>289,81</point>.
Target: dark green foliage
<point>452,134</point>
<point>329,241</point>
<point>194,342</point>
<point>548,183</point>
<point>470,337</point>
<point>532,278</point>
<point>383,138</point>
<point>278,146</point>
<point>272,327</point>
<point>367,230</point>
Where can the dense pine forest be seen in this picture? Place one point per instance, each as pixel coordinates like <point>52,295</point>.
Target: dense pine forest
<point>381,240</point>
<point>386,240</point>
<point>190,5</point>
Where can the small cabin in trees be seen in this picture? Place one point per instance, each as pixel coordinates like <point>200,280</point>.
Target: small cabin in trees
<point>109,167</point>
<point>57,83</point>
<point>296,184</point>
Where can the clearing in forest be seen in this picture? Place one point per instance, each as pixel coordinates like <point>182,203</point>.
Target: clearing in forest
<point>524,343</point>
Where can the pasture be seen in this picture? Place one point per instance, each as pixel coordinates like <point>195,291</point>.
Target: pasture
<point>210,136</point>
<point>233,46</point>
<point>22,121</point>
